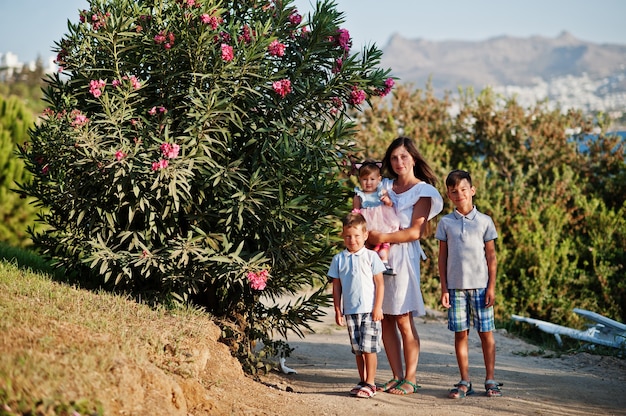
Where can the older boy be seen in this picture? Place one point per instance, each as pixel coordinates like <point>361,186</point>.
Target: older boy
<point>467,269</point>
<point>357,274</point>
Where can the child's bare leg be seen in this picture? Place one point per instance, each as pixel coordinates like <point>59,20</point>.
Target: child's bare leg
<point>489,353</point>
<point>461,350</point>
<point>360,365</point>
<point>370,360</point>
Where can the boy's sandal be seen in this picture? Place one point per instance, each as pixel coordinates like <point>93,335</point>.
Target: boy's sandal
<point>458,393</point>
<point>388,385</point>
<point>366,391</point>
<point>492,388</point>
<point>357,388</point>
<point>401,391</point>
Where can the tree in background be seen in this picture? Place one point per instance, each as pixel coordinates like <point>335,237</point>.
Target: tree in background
<point>555,191</point>
<point>16,213</point>
<point>193,153</point>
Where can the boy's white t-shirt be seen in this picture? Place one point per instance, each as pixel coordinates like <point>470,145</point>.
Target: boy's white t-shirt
<point>356,272</point>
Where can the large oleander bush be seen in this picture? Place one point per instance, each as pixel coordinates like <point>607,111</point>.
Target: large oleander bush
<point>191,151</point>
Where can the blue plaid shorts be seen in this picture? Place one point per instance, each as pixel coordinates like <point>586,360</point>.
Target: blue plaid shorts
<point>466,304</point>
<point>364,333</point>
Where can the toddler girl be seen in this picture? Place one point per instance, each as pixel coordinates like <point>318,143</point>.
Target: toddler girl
<point>372,201</point>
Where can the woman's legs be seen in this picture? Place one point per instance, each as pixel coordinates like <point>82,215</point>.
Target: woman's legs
<point>400,334</point>
<point>411,346</point>
<point>393,345</point>
<point>410,343</point>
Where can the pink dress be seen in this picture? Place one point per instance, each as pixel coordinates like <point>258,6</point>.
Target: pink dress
<point>379,216</point>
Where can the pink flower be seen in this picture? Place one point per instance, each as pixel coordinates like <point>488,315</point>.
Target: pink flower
<point>119,155</point>
<point>213,21</point>
<point>224,36</point>
<point>135,82</point>
<point>295,18</point>
<point>170,151</point>
<point>389,83</point>
<point>227,52</point>
<point>382,91</point>
<point>276,48</point>
<point>79,119</point>
<point>246,34</point>
<point>160,109</point>
<point>282,87</point>
<point>337,105</point>
<point>98,20</point>
<point>258,281</point>
<point>343,39</point>
<point>161,164</point>
<point>338,65</point>
<point>116,83</point>
<point>163,37</point>
<point>357,96</point>
<point>96,86</point>
<point>160,38</point>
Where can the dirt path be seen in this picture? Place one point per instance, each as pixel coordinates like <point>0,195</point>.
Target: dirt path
<point>580,384</point>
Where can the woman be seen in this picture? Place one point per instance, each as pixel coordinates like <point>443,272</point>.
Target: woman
<point>411,188</point>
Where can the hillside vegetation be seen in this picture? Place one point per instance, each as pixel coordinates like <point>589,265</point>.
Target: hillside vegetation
<point>66,350</point>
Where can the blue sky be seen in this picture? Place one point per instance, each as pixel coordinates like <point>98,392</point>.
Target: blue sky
<point>29,28</point>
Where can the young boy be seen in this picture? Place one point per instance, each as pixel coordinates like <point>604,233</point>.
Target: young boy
<point>467,269</point>
<point>357,274</point>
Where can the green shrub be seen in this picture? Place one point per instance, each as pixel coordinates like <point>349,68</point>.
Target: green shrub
<point>16,213</point>
<point>560,211</point>
<point>193,152</point>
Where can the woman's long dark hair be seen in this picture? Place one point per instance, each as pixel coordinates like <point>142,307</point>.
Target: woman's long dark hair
<point>421,169</point>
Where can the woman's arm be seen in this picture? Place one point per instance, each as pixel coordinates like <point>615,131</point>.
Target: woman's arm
<point>356,202</point>
<point>419,219</point>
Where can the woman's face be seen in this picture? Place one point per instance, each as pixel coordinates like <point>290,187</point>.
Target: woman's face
<point>402,161</point>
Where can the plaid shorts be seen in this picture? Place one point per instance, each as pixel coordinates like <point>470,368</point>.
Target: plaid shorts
<point>466,304</point>
<point>364,333</point>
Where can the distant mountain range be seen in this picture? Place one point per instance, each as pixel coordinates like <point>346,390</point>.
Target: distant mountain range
<point>525,66</point>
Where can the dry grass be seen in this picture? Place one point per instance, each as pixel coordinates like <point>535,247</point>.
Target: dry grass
<point>69,351</point>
